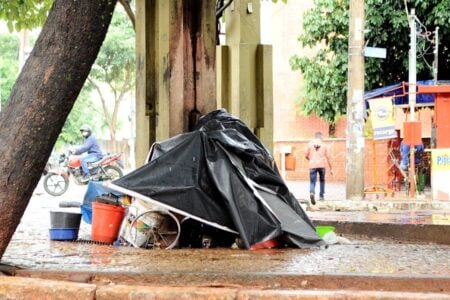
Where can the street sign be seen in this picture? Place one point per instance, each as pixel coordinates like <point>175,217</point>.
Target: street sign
<point>375,52</point>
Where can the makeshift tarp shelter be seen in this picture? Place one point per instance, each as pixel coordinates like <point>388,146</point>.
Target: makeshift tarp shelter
<point>221,175</point>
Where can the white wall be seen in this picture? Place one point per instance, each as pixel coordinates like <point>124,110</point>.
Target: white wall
<point>281,25</point>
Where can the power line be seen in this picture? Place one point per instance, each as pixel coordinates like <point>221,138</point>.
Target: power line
<point>425,34</point>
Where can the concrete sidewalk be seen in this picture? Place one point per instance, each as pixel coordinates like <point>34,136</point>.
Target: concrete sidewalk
<point>35,288</point>
<point>394,216</point>
<point>335,199</point>
<point>334,191</point>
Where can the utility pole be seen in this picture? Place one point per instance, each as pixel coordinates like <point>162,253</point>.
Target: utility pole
<point>436,55</point>
<point>0,92</point>
<point>412,64</point>
<point>24,50</point>
<point>412,96</point>
<point>355,103</point>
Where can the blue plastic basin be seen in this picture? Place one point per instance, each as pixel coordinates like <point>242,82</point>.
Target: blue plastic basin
<point>63,234</point>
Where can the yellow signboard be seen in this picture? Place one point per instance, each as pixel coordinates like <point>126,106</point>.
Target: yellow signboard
<point>382,116</point>
<point>440,173</point>
<point>440,160</point>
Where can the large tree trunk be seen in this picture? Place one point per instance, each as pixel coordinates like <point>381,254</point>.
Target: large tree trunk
<point>42,98</point>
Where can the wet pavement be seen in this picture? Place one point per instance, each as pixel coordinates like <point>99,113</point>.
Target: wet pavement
<point>335,200</point>
<point>31,248</point>
<point>396,217</point>
<point>362,256</point>
<point>333,190</point>
<point>336,191</point>
<point>365,263</point>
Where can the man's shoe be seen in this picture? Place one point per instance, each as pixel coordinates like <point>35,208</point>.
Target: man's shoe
<point>321,198</point>
<point>94,177</point>
<point>311,197</point>
<point>86,178</point>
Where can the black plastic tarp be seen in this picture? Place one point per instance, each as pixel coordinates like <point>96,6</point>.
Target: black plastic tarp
<point>220,174</point>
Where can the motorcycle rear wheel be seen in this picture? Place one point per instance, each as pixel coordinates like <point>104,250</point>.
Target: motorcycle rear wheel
<point>113,172</point>
<point>55,184</point>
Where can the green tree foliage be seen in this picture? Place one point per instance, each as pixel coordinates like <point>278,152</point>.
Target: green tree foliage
<point>82,112</point>
<point>9,64</point>
<point>326,27</point>
<point>111,77</point>
<point>24,14</point>
<point>113,74</point>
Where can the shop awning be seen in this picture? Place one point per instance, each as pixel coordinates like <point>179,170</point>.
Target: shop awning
<point>400,93</point>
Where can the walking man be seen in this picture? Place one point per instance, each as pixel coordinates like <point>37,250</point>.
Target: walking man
<point>317,155</point>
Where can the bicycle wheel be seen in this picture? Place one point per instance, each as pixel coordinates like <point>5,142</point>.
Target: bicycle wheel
<point>55,184</point>
<point>164,232</point>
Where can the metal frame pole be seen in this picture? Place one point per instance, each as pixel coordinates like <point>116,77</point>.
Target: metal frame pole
<point>436,55</point>
<point>412,97</point>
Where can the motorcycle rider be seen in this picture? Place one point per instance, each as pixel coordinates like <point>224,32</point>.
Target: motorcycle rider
<point>92,147</point>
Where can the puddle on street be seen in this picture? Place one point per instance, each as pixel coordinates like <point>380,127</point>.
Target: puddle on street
<point>31,248</point>
<point>376,256</point>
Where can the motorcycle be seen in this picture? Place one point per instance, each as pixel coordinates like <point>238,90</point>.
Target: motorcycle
<point>56,181</point>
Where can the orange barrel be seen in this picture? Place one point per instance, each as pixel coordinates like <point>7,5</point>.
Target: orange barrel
<point>106,221</point>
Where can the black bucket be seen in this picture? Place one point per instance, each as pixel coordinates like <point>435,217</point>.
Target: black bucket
<point>63,219</point>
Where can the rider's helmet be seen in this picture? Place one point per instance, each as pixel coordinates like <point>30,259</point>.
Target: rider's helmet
<point>85,130</point>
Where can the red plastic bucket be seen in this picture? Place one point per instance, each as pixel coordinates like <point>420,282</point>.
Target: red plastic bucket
<point>106,221</point>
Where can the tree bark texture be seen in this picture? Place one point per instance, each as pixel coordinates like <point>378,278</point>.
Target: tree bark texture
<point>42,97</point>
<point>192,62</point>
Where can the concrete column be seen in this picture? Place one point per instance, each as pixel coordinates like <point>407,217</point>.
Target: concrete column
<point>176,83</point>
<point>245,79</point>
<point>145,104</point>
<point>264,95</point>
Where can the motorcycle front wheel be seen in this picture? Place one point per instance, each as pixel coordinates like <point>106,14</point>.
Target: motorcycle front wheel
<point>55,184</point>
